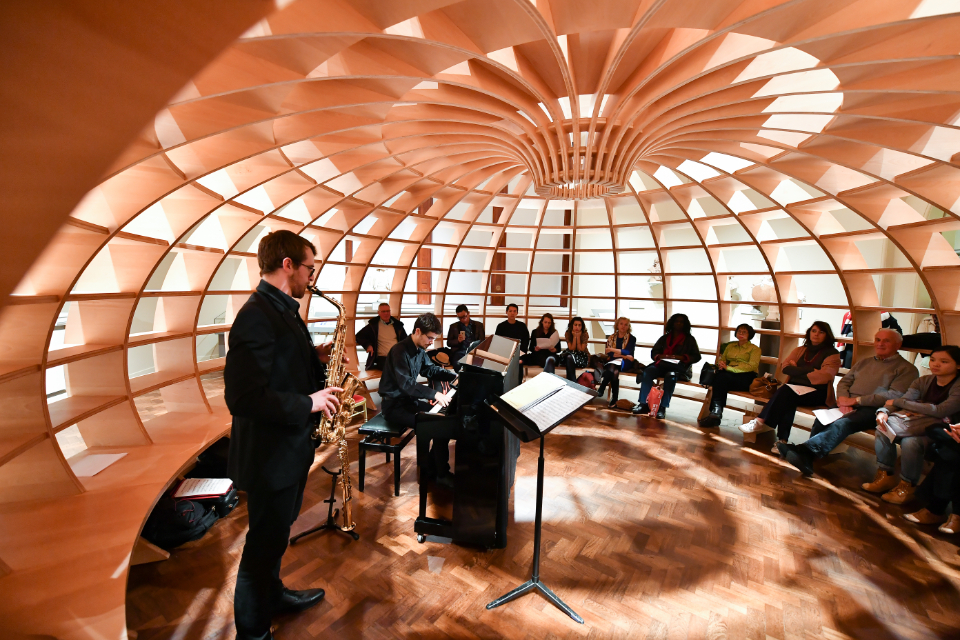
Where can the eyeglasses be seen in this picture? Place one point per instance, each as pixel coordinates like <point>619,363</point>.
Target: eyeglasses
<point>312,269</point>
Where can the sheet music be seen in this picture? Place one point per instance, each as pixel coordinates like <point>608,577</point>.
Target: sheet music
<point>203,487</point>
<point>532,391</point>
<point>827,416</point>
<point>557,407</point>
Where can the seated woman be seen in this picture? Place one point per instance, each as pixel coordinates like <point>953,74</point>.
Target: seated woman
<point>673,358</point>
<point>927,403</point>
<point>619,351</point>
<point>814,364</point>
<point>737,366</point>
<point>576,355</point>
<point>538,355</point>
<point>943,481</point>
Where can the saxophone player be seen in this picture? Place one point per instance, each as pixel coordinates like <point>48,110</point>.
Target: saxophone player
<point>273,380</point>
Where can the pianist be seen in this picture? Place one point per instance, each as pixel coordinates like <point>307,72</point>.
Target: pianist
<point>403,398</point>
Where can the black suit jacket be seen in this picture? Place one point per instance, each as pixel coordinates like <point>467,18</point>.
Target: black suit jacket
<point>272,368</point>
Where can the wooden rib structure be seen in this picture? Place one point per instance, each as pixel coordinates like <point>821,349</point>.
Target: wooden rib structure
<point>618,157</point>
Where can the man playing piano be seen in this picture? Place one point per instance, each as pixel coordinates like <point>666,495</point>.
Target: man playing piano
<point>403,398</point>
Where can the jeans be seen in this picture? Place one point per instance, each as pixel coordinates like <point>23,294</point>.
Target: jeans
<point>271,513</point>
<point>782,408</point>
<point>911,455</point>
<point>825,438</point>
<point>649,378</point>
<point>726,381</point>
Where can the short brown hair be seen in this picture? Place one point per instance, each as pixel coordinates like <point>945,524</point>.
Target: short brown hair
<point>279,245</point>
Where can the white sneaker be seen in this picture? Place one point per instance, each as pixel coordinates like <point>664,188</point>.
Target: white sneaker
<point>755,427</point>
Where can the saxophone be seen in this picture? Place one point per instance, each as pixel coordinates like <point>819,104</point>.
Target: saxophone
<point>334,429</point>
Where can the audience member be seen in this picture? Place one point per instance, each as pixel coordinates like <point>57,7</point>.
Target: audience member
<point>673,357</point>
<point>577,354</point>
<point>812,365</point>
<point>942,484</point>
<point>512,328</point>
<point>737,366</point>
<point>378,342</point>
<point>462,334</point>
<point>547,332</point>
<point>929,401</point>
<point>866,387</point>
<point>617,357</point>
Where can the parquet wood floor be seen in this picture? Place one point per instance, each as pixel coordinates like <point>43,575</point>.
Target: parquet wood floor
<point>652,530</point>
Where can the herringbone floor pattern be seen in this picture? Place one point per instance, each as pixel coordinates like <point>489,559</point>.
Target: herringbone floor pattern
<point>652,530</point>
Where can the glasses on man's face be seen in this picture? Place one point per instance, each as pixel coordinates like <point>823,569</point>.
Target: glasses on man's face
<point>312,269</point>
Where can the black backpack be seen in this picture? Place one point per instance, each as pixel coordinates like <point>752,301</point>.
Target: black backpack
<point>176,522</point>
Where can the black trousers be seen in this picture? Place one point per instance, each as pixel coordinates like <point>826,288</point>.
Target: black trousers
<point>377,363</point>
<point>726,381</point>
<point>611,376</point>
<point>403,412</point>
<point>782,408</point>
<point>271,514</point>
<point>568,361</point>
<point>536,358</point>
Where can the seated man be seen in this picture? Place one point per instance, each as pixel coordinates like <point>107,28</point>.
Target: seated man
<point>863,390</point>
<point>379,336</point>
<point>403,398</point>
<point>462,334</point>
<point>512,328</point>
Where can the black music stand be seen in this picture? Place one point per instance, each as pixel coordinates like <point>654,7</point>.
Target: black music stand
<point>526,430</point>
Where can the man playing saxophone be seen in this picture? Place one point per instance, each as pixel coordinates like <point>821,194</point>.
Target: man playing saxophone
<point>273,379</point>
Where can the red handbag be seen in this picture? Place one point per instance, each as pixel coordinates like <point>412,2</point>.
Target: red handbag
<point>586,380</point>
<point>654,398</point>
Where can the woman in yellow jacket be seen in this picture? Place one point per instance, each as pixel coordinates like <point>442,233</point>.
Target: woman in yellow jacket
<point>737,367</point>
<point>814,365</point>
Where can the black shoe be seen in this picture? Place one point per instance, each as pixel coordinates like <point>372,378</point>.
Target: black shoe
<point>601,390</point>
<point>795,456</point>
<point>709,421</point>
<point>296,601</point>
<point>661,412</point>
<point>445,481</point>
<point>613,403</point>
<point>641,409</point>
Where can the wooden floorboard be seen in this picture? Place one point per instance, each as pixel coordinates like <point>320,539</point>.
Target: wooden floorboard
<point>652,530</point>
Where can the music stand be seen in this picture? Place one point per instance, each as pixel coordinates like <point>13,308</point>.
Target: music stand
<point>527,430</point>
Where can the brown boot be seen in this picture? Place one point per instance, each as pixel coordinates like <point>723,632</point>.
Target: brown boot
<point>952,525</point>
<point>903,493</point>
<point>882,482</point>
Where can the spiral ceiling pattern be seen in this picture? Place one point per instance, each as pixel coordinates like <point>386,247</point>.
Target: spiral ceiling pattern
<point>618,157</point>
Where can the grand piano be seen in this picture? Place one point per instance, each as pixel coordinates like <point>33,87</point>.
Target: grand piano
<point>486,451</point>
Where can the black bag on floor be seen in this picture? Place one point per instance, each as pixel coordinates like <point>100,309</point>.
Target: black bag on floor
<point>222,505</point>
<point>176,522</point>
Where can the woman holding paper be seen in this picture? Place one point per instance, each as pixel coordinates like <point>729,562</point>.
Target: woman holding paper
<point>930,401</point>
<point>810,370</point>
<point>619,349</point>
<point>673,358</point>
<point>543,343</point>
<point>737,367</point>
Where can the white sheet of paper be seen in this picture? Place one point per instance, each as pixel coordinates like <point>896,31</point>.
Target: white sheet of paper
<point>532,390</point>
<point>436,408</point>
<point>826,416</point>
<point>203,487</point>
<point>887,431</point>
<point>618,362</point>
<point>544,343</point>
<point>800,390</point>
<point>670,360</point>
<point>556,407</point>
<point>94,463</point>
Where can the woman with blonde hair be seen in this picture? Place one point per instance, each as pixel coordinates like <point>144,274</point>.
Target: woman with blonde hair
<point>618,357</point>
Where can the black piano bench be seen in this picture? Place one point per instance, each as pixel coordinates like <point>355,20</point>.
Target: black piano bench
<point>379,435</point>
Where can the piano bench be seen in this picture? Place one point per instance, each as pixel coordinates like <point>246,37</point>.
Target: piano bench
<point>379,435</point>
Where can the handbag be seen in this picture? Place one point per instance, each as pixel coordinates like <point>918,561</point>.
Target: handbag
<point>764,387</point>
<point>707,374</point>
<point>586,380</point>
<point>654,398</point>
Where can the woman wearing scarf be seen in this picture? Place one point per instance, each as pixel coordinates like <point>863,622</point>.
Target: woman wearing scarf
<point>738,365</point>
<point>814,364</point>
<point>619,349</point>
<point>673,358</point>
<point>928,402</point>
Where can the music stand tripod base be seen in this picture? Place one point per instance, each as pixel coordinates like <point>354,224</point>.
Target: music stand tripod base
<point>534,581</point>
<point>331,523</point>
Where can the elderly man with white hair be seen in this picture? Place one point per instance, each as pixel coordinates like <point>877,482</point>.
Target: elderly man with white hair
<point>865,388</point>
